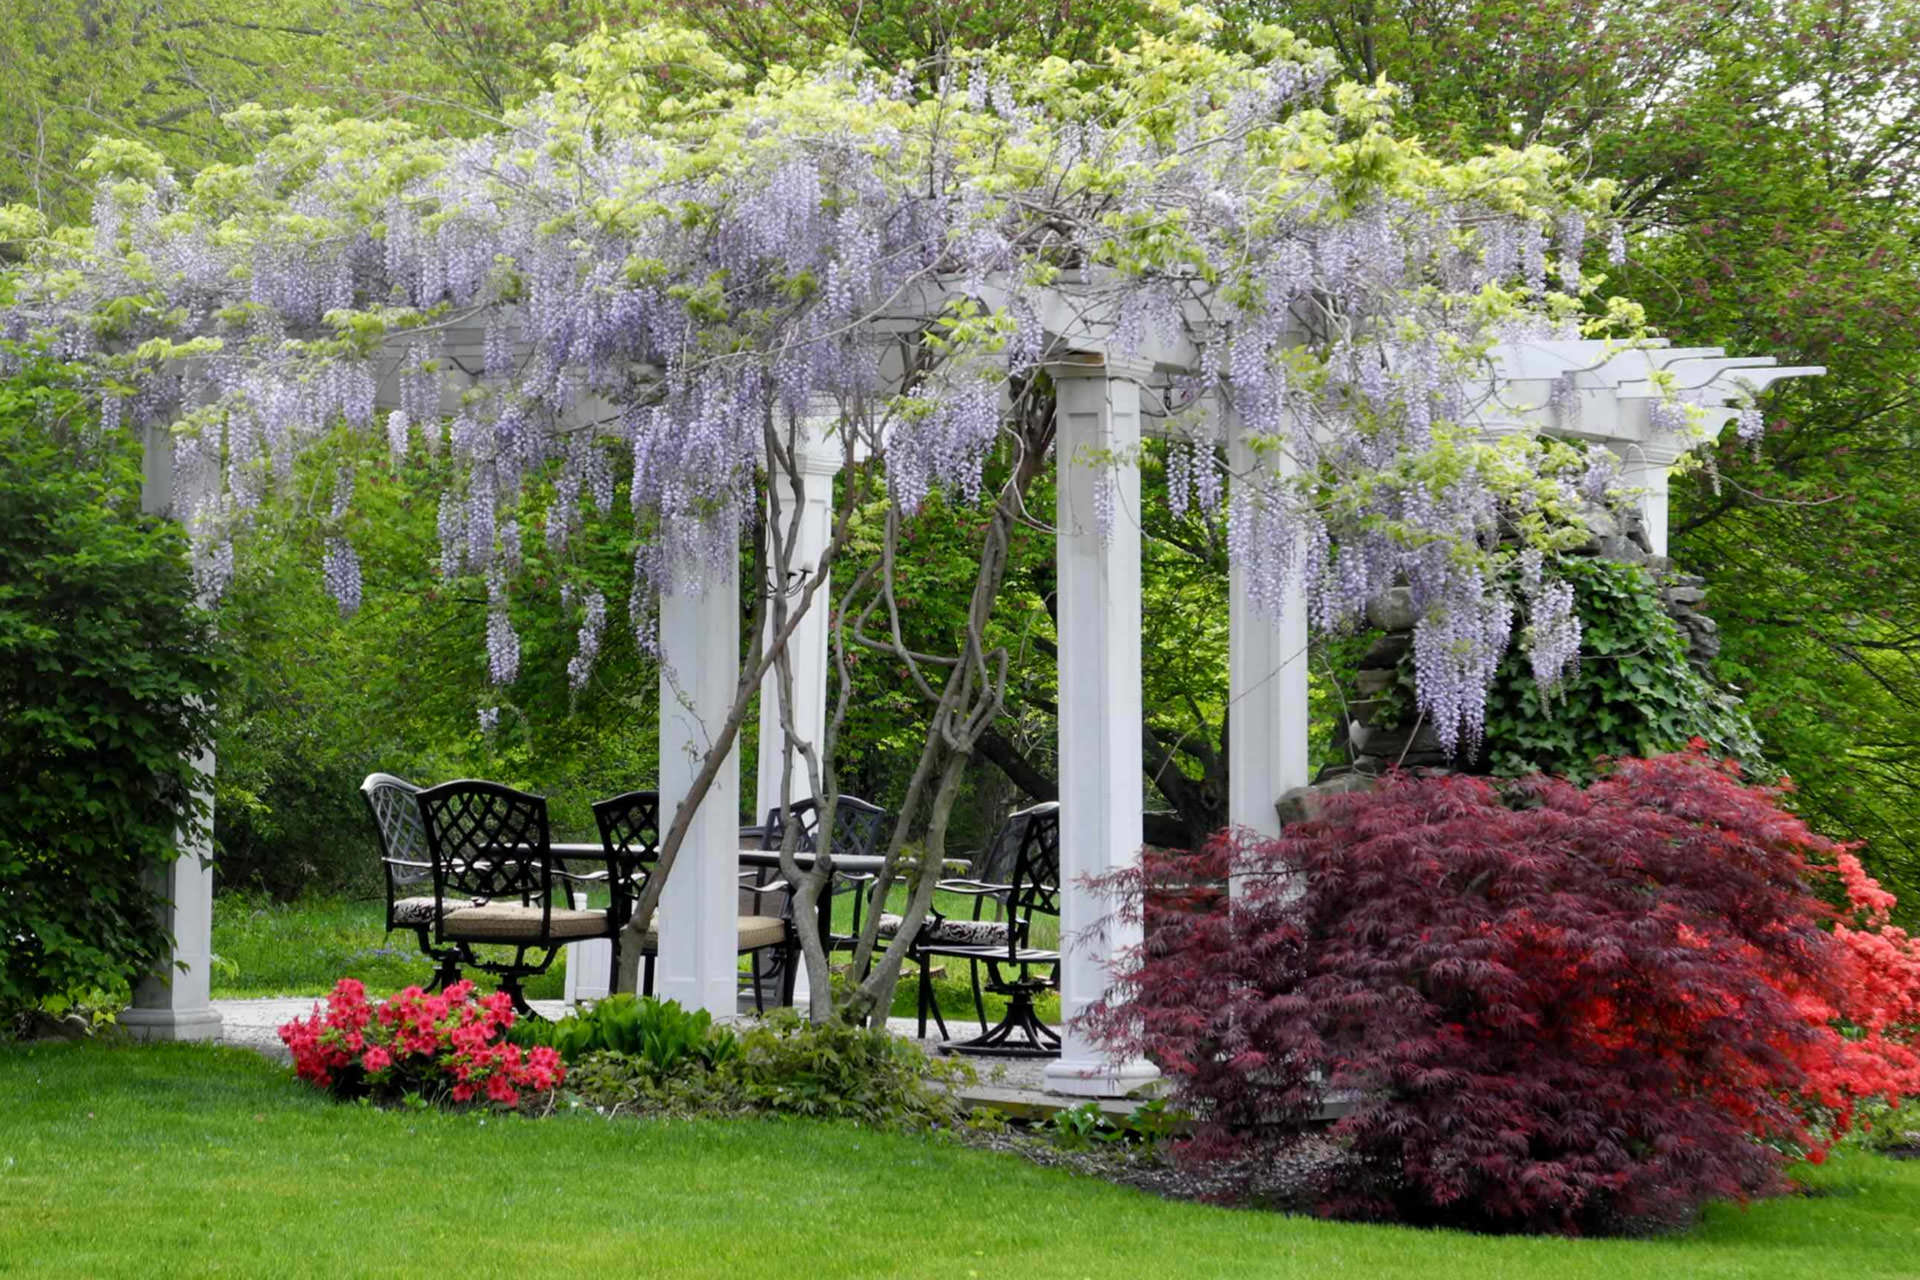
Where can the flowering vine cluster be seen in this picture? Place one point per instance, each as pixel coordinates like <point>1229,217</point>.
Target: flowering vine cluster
<point>447,1044</point>
<point>655,264</point>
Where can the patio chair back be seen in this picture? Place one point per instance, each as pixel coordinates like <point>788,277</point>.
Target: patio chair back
<point>488,842</point>
<point>630,833</point>
<point>403,837</point>
<point>1033,886</point>
<point>859,827</point>
<point>995,863</point>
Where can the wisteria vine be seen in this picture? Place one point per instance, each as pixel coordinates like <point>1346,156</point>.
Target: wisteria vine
<point>655,260</point>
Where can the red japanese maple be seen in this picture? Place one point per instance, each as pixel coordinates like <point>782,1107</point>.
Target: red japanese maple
<point>1553,1008</point>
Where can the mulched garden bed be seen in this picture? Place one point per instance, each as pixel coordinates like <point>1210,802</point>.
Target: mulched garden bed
<point>1290,1179</point>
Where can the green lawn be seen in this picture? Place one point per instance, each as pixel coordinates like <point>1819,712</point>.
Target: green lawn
<point>264,948</point>
<point>181,1160</point>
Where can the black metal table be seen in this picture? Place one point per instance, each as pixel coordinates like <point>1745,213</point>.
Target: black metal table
<point>853,864</point>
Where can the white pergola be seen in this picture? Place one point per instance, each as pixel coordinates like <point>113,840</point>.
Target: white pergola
<point>1104,404</point>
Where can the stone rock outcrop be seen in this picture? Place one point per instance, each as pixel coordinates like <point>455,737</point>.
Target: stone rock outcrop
<point>1368,749</point>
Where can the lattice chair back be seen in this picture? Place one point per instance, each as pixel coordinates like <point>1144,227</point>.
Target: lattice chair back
<point>488,842</point>
<point>860,828</point>
<point>630,833</point>
<point>1034,885</point>
<point>995,863</point>
<point>403,840</point>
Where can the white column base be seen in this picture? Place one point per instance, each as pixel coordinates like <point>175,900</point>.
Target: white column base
<point>175,1002</point>
<point>1098,1078</point>
<point>587,965</point>
<point>172,1024</point>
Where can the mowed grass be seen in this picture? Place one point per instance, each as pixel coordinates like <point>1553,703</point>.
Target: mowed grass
<point>267,948</point>
<point>178,1160</point>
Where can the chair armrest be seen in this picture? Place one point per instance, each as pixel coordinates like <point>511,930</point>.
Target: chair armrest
<point>975,887</point>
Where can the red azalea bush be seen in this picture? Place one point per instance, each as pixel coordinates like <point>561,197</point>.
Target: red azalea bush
<point>451,1044</point>
<point>1554,1009</point>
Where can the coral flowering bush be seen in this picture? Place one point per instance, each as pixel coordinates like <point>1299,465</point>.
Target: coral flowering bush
<point>447,1045</point>
<point>1553,1008</point>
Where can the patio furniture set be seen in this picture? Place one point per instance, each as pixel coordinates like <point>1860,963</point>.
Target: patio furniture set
<point>472,869</point>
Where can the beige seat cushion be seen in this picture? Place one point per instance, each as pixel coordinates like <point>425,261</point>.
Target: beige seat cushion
<point>414,912</point>
<point>511,922</point>
<point>755,932</point>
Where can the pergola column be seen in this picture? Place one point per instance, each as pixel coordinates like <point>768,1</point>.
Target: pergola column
<point>1647,469</point>
<point>175,1003</point>
<point>1097,446</point>
<point>818,460</point>
<point>699,670</point>
<point>1267,712</point>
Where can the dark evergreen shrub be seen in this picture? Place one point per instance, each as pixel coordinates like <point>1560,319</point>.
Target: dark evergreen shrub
<point>102,661</point>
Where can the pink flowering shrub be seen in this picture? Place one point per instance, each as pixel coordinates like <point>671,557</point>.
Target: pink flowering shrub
<point>447,1045</point>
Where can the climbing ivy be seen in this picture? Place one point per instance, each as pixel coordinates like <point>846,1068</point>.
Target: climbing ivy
<point>1634,692</point>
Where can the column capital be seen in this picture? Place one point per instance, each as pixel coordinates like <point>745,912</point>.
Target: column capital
<point>1098,364</point>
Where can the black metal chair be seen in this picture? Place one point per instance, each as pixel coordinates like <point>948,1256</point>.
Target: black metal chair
<point>989,872</point>
<point>1020,874</point>
<point>491,850</point>
<point>860,829</point>
<point>630,836</point>
<point>408,866</point>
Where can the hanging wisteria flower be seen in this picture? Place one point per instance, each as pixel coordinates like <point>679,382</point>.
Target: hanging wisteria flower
<point>1457,647</point>
<point>340,568</point>
<point>503,642</point>
<point>1553,648</point>
<point>580,666</point>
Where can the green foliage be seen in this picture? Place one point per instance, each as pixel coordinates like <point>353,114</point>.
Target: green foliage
<point>837,1071</point>
<point>104,667</point>
<point>313,702</point>
<point>1635,692</point>
<point>658,1034</point>
<point>1087,1125</point>
<point>780,1065</point>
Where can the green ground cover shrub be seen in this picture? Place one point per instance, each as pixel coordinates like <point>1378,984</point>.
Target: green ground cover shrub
<point>780,1065</point>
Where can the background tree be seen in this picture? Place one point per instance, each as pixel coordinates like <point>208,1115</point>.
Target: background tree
<point>1766,154</point>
